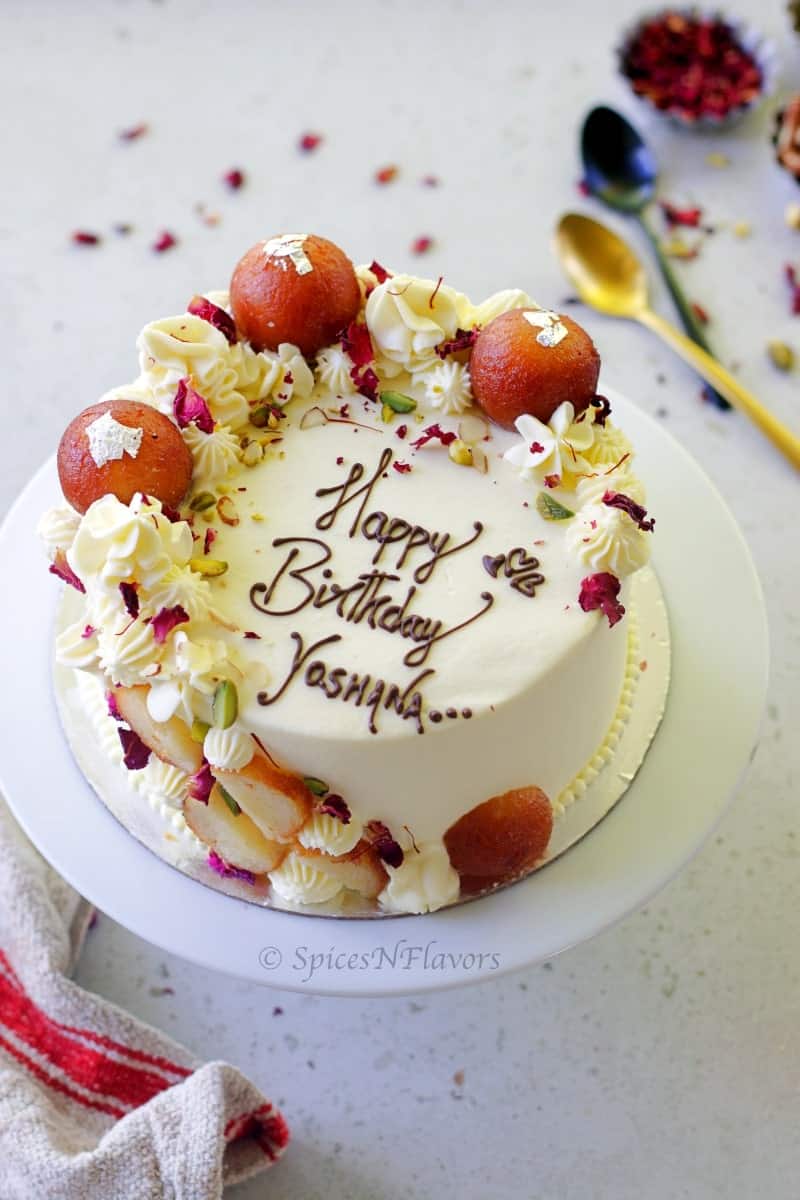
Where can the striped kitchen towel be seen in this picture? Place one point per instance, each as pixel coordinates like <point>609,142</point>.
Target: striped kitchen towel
<point>95,1105</point>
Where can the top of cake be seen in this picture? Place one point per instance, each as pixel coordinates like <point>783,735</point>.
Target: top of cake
<point>363,507</point>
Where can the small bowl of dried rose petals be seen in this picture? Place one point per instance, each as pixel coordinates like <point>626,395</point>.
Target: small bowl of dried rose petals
<point>698,68</point>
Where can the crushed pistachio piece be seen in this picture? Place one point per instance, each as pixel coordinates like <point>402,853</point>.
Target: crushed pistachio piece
<point>387,414</point>
<point>397,402</point>
<point>199,730</point>
<point>225,705</point>
<point>742,229</point>
<point>551,509</point>
<point>229,800</point>
<point>781,354</point>
<point>202,501</point>
<point>717,159</point>
<point>460,453</point>
<point>317,787</point>
<point>210,567</point>
<point>259,416</point>
<point>257,517</point>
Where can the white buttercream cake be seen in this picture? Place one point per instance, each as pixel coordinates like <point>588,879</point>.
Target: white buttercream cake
<point>379,637</point>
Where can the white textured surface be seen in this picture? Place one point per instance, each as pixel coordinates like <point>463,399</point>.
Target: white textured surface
<point>662,1059</point>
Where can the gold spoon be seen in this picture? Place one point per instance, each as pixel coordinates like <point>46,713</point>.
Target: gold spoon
<point>609,277</point>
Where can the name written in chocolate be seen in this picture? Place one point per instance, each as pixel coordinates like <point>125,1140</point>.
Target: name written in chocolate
<point>304,578</point>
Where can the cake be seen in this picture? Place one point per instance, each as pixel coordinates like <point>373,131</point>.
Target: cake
<point>351,564</point>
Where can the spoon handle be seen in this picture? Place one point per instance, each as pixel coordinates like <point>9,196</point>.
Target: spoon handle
<point>778,433</point>
<point>688,319</point>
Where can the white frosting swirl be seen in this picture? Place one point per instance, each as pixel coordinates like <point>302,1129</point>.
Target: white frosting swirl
<point>183,586</point>
<point>229,749</point>
<point>333,371</point>
<point>174,348</point>
<point>298,882</point>
<point>324,832</point>
<point>607,539</point>
<point>593,487</point>
<point>557,448</point>
<point>408,317</point>
<point>117,542</point>
<point>499,303</point>
<point>126,653</point>
<point>424,881</point>
<point>447,386</point>
<point>214,454</point>
<point>57,528</point>
<point>608,447</point>
<point>166,781</point>
<point>74,649</point>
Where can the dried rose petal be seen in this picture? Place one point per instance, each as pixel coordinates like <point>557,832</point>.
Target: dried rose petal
<point>234,178</point>
<point>60,567</point>
<point>123,228</point>
<point>82,237</point>
<point>134,132</point>
<point>309,142</point>
<point>602,407</point>
<point>402,468</point>
<point>357,343</point>
<point>334,806</point>
<point>252,636</point>
<point>135,754</point>
<point>401,431</point>
<point>224,869</point>
<point>421,245</point>
<point>601,591</point>
<point>386,174</point>
<point>209,539</point>
<point>366,381</point>
<point>113,707</point>
<point>165,621</point>
<point>793,280</point>
<point>536,448</point>
<point>674,215</point>
<point>88,631</point>
<point>700,312</point>
<point>552,481</point>
<point>429,181</point>
<point>130,598</point>
<point>200,784</point>
<point>692,64</point>
<point>199,306</point>
<point>583,187</point>
<point>635,511</point>
<point>164,241</point>
<point>189,406</point>
<point>380,273</point>
<point>433,433</point>
<point>464,340</point>
<point>387,848</point>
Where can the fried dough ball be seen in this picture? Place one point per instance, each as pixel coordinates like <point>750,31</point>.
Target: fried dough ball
<point>500,839</point>
<point>276,298</point>
<point>158,463</point>
<point>513,373</point>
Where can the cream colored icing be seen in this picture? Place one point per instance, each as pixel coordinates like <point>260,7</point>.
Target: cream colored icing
<point>333,371</point>
<point>499,303</point>
<point>214,455</point>
<point>57,528</point>
<point>447,386</point>
<point>229,749</point>
<point>324,832</point>
<point>606,539</point>
<point>423,882</point>
<point>297,882</point>
<point>408,317</point>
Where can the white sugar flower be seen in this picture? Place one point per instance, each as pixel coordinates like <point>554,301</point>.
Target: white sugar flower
<point>553,450</point>
<point>447,386</point>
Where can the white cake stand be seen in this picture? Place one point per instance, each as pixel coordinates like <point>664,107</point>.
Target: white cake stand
<point>706,740</point>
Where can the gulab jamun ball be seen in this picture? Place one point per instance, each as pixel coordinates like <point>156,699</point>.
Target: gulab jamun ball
<point>297,288</point>
<point>501,839</point>
<point>514,373</point>
<point>123,447</point>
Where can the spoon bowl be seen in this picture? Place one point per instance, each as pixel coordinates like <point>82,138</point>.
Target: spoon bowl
<point>604,270</point>
<point>609,277</point>
<point>618,166</point>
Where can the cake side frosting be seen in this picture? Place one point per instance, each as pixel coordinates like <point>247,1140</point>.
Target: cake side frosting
<point>375,609</point>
